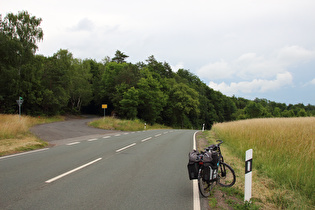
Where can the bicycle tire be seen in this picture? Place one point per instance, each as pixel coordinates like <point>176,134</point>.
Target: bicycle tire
<point>226,175</point>
<point>205,187</point>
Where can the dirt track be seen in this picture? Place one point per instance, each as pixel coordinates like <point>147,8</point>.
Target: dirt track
<point>63,132</point>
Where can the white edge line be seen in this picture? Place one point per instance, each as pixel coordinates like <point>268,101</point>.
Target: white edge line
<point>126,147</point>
<point>74,170</point>
<point>73,143</point>
<point>194,141</point>
<point>24,153</point>
<point>196,197</point>
<point>143,140</point>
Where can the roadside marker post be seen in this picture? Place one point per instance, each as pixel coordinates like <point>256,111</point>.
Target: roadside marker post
<point>20,102</point>
<point>248,175</point>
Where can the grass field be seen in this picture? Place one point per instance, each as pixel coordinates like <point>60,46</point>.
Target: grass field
<point>283,149</point>
<point>15,135</point>
<point>110,123</point>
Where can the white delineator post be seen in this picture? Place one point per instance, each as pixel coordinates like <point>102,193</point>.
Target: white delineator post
<point>196,197</point>
<point>248,175</point>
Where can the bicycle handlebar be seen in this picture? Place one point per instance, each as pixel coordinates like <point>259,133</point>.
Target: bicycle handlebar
<point>220,142</point>
<point>214,146</point>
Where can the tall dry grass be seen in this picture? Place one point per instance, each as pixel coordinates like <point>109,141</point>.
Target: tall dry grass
<point>283,149</point>
<point>15,135</point>
<point>11,126</point>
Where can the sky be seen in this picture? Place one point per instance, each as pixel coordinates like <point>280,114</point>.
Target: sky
<point>246,48</point>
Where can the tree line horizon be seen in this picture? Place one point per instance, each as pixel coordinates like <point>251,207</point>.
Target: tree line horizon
<point>150,90</point>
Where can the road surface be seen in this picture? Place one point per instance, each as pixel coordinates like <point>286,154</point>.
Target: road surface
<point>58,133</point>
<point>115,170</point>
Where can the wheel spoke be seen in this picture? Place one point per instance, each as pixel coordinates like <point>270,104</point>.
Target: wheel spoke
<point>227,175</point>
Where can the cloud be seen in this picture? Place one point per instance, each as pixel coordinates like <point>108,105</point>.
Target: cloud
<point>294,54</point>
<point>217,70</point>
<point>84,25</point>
<point>247,66</point>
<point>279,74</point>
<point>179,65</point>
<point>256,85</point>
<point>310,83</point>
<point>251,66</point>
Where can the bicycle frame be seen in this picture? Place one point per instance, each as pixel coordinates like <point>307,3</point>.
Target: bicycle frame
<point>221,160</point>
<point>222,174</point>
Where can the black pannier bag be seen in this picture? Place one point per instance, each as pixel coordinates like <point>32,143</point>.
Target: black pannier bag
<point>209,172</point>
<point>206,172</point>
<point>193,165</point>
<point>209,165</point>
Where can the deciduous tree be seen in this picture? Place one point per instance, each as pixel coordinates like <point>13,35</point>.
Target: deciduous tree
<point>19,35</point>
<point>151,98</point>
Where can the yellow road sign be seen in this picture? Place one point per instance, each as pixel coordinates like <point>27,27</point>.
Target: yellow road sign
<point>104,106</point>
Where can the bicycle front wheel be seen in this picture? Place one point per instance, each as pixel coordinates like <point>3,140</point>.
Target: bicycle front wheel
<point>204,186</point>
<point>226,175</point>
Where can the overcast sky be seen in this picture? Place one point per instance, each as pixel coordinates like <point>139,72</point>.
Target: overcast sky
<point>246,48</point>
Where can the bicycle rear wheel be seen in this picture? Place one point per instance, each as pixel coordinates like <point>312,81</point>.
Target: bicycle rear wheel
<point>226,175</point>
<point>204,186</point>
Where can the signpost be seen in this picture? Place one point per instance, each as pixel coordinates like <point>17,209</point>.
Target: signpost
<point>104,106</point>
<point>20,102</point>
<point>248,175</point>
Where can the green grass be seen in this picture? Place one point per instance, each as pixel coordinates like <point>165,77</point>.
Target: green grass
<point>232,191</point>
<point>246,206</point>
<point>213,202</point>
<point>110,123</point>
<point>41,144</point>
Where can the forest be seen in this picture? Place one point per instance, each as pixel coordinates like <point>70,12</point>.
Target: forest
<point>148,90</point>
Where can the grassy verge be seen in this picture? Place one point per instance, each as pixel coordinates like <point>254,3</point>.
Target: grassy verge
<point>15,136</point>
<point>283,158</point>
<point>110,123</point>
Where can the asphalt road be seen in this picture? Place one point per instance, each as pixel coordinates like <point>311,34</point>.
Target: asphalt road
<point>59,133</point>
<point>125,170</point>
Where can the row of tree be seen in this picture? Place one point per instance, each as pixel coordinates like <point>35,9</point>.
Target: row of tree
<point>260,108</point>
<point>147,90</point>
